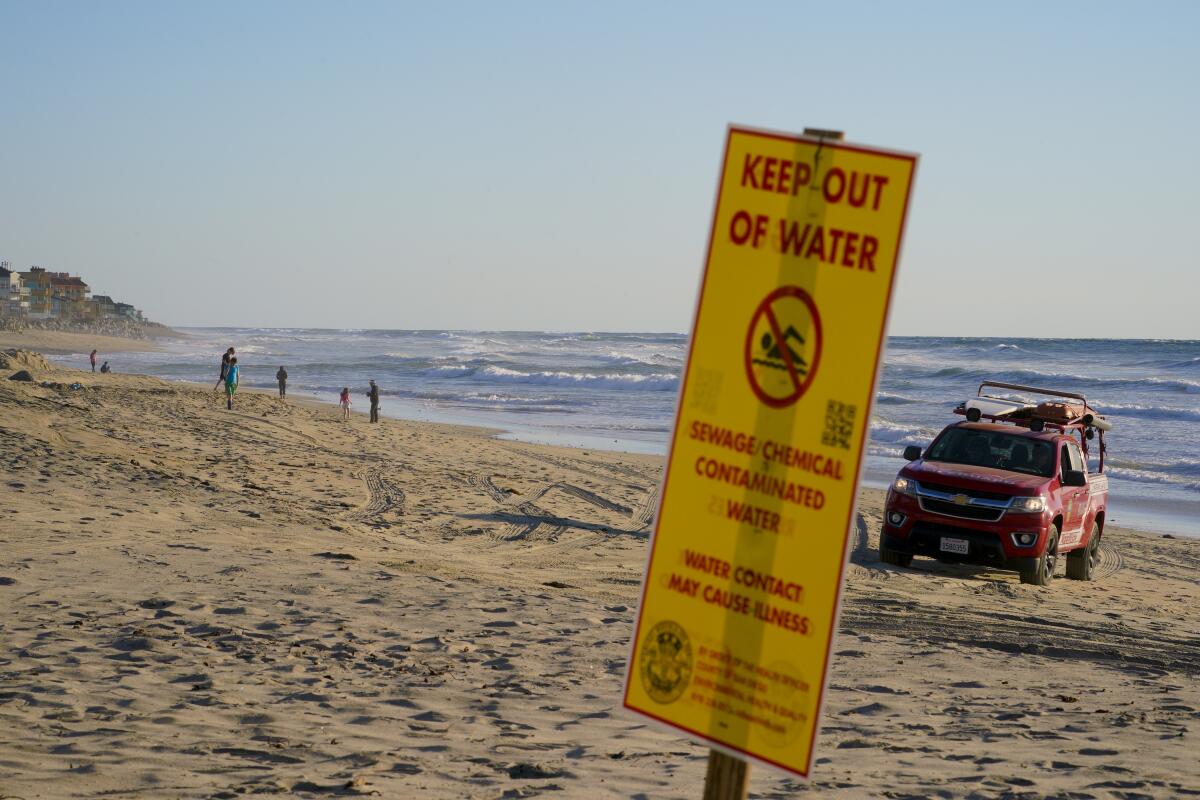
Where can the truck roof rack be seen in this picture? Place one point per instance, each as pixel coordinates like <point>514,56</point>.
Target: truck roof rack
<point>1063,416</point>
<point>1019,388</point>
<point>1067,417</point>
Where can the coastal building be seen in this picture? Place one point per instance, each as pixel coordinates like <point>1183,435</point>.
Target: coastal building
<point>14,295</point>
<point>71,295</point>
<point>128,312</point>
<point>41,293</point>
<point>105,306</point>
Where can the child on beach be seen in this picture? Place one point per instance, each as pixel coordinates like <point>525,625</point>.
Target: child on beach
<point>344,402</point>
<point>231,381</point>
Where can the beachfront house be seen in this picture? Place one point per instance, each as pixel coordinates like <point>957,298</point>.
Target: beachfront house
<point>72,296</point>
<point>14,294</point>
<point>41,294</point>
<point>105,306</point>
<point>128,312</point>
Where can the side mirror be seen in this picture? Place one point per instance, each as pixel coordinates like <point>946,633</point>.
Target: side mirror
<point>912,453</point>
<point>1073,477</point>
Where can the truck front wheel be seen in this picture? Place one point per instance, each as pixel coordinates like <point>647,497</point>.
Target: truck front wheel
<point>1082,563</point>
<point>889,556</point>
<point>1043,571</point>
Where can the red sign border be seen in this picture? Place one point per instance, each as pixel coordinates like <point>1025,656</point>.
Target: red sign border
<point>806,298</point>
<point>868,404</point>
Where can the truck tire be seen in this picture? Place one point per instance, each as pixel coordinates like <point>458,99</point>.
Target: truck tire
<point>889,556</point>
<point>1043,572</point>
<point>1082,563</point>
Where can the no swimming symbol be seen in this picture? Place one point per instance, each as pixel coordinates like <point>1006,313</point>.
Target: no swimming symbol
<point>783,346</point>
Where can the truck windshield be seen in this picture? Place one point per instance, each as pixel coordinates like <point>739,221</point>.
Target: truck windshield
<point>994,449</point>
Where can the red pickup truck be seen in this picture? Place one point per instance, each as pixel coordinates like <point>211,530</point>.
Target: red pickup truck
<point>1009,487</point>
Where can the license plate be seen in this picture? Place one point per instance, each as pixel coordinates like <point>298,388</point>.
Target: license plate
<point>960,546</point>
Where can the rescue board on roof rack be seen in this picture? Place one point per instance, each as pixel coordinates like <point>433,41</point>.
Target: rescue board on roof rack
<point>1071,410</point>
<point>994,407</point>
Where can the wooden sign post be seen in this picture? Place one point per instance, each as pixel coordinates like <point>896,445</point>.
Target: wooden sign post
<point>728,778</point>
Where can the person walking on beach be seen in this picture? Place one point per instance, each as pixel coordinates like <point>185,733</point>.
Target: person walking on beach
<point>373,396</point>
<point>224,368</point>
<point>92,357</point>
<point>281,376</point>
<point>231,381</point>
<point>344,402</point>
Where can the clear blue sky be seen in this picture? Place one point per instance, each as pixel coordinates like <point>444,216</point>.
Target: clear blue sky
<point>552,165</point>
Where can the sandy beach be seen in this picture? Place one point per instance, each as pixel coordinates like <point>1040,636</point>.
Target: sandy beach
<point>68,342</point>
<point>198,603</point>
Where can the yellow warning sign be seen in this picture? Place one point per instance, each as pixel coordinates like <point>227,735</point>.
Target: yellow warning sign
<point>741,594</point>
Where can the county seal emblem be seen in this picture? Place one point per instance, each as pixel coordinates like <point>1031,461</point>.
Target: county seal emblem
<point>666,662</point>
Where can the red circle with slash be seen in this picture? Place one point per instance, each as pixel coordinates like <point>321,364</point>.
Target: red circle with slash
<point>768,311</point>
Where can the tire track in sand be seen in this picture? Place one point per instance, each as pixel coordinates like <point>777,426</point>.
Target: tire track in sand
<point>1111,560</point>
<point>647,508</point>
<point>385,498</point>
<point>1099,642</point>
<point>532,517</point>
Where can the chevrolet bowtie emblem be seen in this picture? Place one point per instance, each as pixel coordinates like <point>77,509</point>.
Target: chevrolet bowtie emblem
<point>961,499</point>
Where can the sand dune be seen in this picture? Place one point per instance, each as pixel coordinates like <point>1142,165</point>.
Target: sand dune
<point>198,603</point>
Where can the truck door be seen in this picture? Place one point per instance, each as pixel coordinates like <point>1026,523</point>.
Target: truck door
<point>1074,498</point>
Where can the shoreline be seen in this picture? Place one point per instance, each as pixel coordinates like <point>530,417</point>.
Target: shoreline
<point>271,600</point>
<point>1135,507</point>
<point>1154,516</point>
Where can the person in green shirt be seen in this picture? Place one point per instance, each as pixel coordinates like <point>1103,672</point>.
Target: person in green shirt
<point>231,382</point>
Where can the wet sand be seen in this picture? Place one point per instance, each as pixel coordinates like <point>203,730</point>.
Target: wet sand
<point>198,603</point>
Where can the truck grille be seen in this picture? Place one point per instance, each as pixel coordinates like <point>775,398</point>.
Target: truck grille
<point>984,514</point>
<point>951,502</point>
<point>937,487</point>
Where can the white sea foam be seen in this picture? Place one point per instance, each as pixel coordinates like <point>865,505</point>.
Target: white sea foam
<point>894,399</point>
<point>1149,411</point>
<point>1151,476</point>
<point>886,432</point>
<point>448,370</point>
<point>656,381</point>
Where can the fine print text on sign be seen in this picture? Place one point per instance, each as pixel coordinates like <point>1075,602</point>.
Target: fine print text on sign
<point>740,600</point>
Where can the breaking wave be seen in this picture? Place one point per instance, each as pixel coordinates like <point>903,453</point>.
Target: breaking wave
<point>663,381</point>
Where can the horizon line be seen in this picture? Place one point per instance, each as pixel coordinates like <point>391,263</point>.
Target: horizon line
<point>347,329</point>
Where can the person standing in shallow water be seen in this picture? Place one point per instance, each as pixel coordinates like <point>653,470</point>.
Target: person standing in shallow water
<point>373,396</point>
<point>281,376</point>
<point>231,381</point>
<point>224,368</point>
<point>92,357</point>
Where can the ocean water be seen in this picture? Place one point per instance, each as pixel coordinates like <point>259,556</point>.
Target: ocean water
<point>618,390</point>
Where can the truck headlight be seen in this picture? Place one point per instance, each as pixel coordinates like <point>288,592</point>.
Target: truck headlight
<point>1028,505</point>
<point>1024,539</point>
<point>905,486</point>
